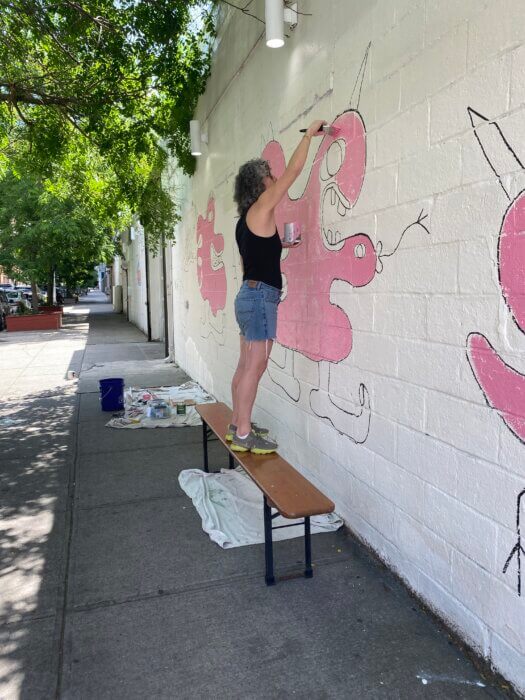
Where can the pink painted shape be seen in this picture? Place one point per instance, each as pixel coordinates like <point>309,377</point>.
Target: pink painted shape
<point>308,322</point>
<point>212,282</point>
<point>503,386</point>
<point>512,259</point>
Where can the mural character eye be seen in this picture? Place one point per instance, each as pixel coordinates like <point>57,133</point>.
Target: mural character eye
<point>333,160</point>
<point>359,251</point>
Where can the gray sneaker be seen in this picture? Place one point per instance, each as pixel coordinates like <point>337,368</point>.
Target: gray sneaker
<point>253,443</point>
<point>232,429</point>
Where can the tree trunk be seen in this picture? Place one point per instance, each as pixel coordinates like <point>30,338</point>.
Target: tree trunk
<point>50,287</point>
<point>34,296</point>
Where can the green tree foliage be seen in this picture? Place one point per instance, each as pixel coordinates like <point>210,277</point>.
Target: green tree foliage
<point>42,234</point>
<point>87,88</point>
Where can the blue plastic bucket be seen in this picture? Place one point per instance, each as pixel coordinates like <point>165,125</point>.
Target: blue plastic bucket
<point>112,394</point>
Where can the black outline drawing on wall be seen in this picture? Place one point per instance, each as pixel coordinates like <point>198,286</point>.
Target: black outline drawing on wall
<point>501,158</point>
<point>518,549</point>
<point>355,423</point>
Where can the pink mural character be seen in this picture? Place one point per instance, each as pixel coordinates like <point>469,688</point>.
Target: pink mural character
<point>211,273</point>
<point>331,250</point>
<point>502,385</point>
<point>308,322</point>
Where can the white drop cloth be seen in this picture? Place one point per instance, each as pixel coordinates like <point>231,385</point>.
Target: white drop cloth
<point>135,410</point>
<point>231,509</point>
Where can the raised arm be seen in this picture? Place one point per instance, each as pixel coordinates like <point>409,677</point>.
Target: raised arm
<point>262,210</point>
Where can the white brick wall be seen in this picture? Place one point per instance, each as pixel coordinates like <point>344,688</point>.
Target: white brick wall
<point>433,488</point>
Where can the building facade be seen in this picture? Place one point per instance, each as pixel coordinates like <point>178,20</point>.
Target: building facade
<point>397,382</point>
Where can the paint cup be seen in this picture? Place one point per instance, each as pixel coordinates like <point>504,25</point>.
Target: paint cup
<point>292,232</point>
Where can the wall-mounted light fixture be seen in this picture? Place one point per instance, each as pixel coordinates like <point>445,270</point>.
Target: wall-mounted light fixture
<point>277,12</point>
<point>196,137</point>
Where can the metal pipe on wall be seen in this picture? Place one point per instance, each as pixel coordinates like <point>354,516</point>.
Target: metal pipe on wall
<point>165,300</point>
<point>148,312</point>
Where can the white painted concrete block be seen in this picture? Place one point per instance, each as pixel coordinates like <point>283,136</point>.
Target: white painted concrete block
<point>382,438</point>
<point>471,212</point>
<point>399,486</point>
<point>378,191</point>
<point>374,353</point>
<point>444,15</point>
<point>403,135</point>
<point>451,318</point>
<point>462,528</point>
<point>460,619</point>
<point>431,460</point>
<point>430,365</point>
<point>404,401</point>
<point>399,44</point>
<point>478,267</point>
<point>430,172</point>
<point>386,95</point>
<point>508,661</point>
<point>372,507</point>
<point>434,68</point>
<point>500,26</point>
<point>401,315</point>
<point>488,489</point>
<point>448,115</point>
<point>428,552</point>
<point>470,428</point>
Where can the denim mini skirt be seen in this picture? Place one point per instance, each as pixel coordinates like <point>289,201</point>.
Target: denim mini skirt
<point>256,311</point>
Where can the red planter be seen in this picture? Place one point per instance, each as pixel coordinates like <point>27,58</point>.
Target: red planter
<point>34,322</point>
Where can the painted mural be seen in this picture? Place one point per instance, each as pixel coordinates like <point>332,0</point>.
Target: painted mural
<point>309,322</point>
<point>503,386</point>
<point>211,274</point>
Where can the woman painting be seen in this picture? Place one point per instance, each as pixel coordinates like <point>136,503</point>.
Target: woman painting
<point>257,193</point>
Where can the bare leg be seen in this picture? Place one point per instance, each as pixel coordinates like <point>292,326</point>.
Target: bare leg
<point>257,353</point>
<point>241,365</point>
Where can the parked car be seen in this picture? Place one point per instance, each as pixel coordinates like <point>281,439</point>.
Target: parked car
<point>5,309</point>
<point>16,297</point>
<point>6,285</point>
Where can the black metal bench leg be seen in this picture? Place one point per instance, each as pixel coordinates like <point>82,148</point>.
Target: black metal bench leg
<point>231,464</point>
<point>205,444</point>
<point>268,544</point>
<point>308,572</point>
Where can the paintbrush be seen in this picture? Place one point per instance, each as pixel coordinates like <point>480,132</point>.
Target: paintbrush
<point>326,128</point>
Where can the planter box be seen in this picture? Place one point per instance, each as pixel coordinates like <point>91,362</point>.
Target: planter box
<point>34,322</point>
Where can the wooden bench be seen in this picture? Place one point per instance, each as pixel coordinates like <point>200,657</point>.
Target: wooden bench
<point>284,489</point>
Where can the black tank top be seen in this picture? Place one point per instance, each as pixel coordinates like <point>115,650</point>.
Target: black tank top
<point>261,257</point>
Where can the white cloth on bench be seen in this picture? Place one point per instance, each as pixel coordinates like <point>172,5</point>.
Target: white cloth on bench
<point>231,509</point>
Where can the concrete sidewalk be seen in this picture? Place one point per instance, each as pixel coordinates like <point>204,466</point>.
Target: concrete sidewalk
<point>110,589</point>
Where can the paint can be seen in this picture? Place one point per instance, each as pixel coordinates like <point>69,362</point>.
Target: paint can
<point>292,232</point>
